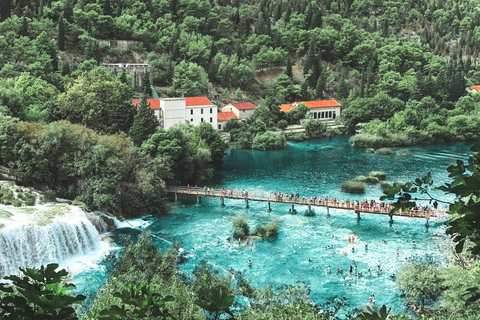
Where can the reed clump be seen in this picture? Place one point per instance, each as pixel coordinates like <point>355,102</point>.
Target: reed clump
<point>355,187</point>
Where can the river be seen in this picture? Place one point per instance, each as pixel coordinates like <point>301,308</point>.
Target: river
<point>315,167</point>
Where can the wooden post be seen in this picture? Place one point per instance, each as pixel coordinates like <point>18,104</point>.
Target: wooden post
<point>199,199</point>
<point>391,220</point>
<point>328,212</point>
<point>427,225</point>
<point>358,214</point>
<point>222,202</point>
<point>246,204</point>
<point>176,197</point>
<point>269,207</point>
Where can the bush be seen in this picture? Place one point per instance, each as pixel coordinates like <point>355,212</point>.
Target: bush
<point>270,230</point>
<point>385,185</point>
<point>380,175</point>
<point>356,187</point>
<point>282,124</point>
<point>49,196</point>
<point>384,151</point>
<point>240,227</point>
<point>8,197</point>
<point>268,140</point>
<point>29,199</point>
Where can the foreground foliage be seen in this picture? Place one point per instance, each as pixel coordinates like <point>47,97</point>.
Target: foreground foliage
<point>40,294</point>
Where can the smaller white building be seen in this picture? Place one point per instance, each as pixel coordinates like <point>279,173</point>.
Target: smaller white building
<point>223,117</point>
<point>193,110</point>
<point>242,110</point>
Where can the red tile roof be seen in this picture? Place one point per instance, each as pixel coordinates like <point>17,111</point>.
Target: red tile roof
<point>244,106</point>
<point>224,116</point>
<point>476,88</point>
<point>197,101</point>
<point>320,104</point>
<point>286,107</point>
<point>154,103</point>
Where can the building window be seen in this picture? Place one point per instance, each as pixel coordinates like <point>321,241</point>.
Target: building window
<point>219,127</point>
<point>191,120</point>
<point>243,111</point>
<point>201,120</point>
<point>314,115</point>
<point>330,114</point>
<point>211,110</point>
<point>201,111</point>
<point>334,115</point>
<point>211,119</point>
<point>323,115</point>
<point>191,111</point>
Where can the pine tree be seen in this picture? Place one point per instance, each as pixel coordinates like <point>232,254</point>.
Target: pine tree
<point>304,91</point>
<point>310,58</point>
<point>321,82</point>
<point>317,21</point>
<point>370,77</point>
<point>239,94</point>
<point>362,83</point>
<point>61,34</point>
<point>146,91</point>
<point>288,70</point>
<point>342,89</point>
<point>123,77</point>
<point>145,123</point>
<point>24,29</point>
<point>107,8</point>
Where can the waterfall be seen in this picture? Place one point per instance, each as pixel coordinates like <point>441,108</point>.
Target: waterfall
<point>32,245</point>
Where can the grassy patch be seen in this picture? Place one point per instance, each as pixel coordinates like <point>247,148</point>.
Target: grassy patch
<point>355,187</point>
<point>384,151</point>
<point>4,214</point>
<point>380,175</point>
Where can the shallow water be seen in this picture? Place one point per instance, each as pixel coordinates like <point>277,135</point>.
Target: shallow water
<point>309,168</point>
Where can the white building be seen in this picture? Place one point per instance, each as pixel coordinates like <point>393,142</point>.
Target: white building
<point>320,109</point>
<point>193,110</point>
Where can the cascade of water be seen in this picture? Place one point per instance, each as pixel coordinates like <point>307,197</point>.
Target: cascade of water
<point>30,245</point>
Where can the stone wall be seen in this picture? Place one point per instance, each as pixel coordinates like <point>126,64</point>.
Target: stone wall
<point>123,45</point>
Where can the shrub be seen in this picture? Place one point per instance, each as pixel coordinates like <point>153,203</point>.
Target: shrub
<point>356,187</point>
<point>8,197</point>
<point>240,227</point>
<point>385,185</point>
<point>270,230</point>
<point>380,175</point>
<point>268,140</point>
<point>49,196</point>
<point>282,124</point>
<point>384,151</point>
<point>29,199</point>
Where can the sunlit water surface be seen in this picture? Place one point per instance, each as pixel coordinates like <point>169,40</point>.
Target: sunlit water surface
<point>310,168</point>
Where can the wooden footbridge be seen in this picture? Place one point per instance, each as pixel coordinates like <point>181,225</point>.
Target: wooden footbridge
<point>357,206</point>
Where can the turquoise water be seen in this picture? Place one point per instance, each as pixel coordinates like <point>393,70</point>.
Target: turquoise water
<point>310,168</point>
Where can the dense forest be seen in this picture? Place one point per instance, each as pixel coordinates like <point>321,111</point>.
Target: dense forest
<point>400,70</point>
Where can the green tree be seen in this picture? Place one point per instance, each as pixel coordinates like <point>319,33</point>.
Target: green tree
<point>288,69</point>
<point>145,123</point>
<point>189,79</point>
<point>61,34</point>
<point>420,282</point>
<point>97,100</point>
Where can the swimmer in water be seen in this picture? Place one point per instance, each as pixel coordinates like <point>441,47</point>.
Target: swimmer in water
<point>309,260</point>
<point>366,245</point>
<point>398,251</point>
<point>249,263</point>
<point>329,270</point>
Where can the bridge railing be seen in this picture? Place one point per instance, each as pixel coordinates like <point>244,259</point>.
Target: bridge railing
<point>331,203</point>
